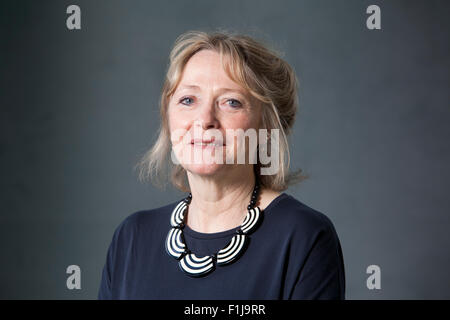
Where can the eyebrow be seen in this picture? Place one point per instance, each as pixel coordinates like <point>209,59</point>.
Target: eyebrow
<point>195,87</point>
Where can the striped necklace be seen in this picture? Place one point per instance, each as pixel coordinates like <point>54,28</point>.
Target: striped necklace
<point>196,266</point>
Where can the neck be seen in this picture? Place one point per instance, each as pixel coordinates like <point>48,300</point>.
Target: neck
<point>220,202</point>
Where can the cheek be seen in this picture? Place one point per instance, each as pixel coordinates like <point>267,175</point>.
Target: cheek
<point>243,121</point>
<point>175,120</point>
<point>176,127</point>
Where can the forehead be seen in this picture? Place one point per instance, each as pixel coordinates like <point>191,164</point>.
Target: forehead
<point>205,68</point>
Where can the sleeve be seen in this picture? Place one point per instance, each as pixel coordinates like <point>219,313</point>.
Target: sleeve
<point>105,291</point>
<point>112,266</point>
<point>322,276</point>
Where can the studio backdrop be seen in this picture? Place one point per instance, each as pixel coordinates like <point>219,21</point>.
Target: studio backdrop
<point>79,98</point>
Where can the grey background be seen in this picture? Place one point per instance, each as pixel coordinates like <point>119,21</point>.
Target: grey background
<point>78,109</point>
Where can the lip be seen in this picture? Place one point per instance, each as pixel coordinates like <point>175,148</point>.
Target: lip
<point>207,143</point>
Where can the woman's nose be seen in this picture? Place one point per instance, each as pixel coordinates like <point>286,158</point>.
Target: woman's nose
<point>207,116</point>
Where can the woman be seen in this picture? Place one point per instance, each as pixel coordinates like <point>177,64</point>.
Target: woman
<point>236,235</point>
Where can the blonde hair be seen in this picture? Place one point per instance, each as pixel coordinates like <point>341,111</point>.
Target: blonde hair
<point>259,70</point>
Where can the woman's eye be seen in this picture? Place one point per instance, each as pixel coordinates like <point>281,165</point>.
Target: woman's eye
<point>186,100</point>
<point>230,102</point>
<point>234,103</point>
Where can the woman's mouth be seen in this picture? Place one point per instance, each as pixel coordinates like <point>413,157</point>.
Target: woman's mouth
<point>199,143</point>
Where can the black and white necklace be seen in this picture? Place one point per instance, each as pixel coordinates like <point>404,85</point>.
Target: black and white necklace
<point>199,266</point>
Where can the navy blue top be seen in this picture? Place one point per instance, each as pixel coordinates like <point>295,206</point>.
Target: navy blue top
<point>294,253</point>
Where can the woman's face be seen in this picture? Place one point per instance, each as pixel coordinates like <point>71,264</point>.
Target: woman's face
<point>207,105</point>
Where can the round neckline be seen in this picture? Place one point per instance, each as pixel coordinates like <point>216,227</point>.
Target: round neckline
<point>222,234</point>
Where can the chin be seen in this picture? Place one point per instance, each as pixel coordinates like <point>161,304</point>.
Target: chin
<point>204,169</point>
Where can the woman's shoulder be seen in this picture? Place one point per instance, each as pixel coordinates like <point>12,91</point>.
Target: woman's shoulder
<point>147,219</point>
<point>288,212</point>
